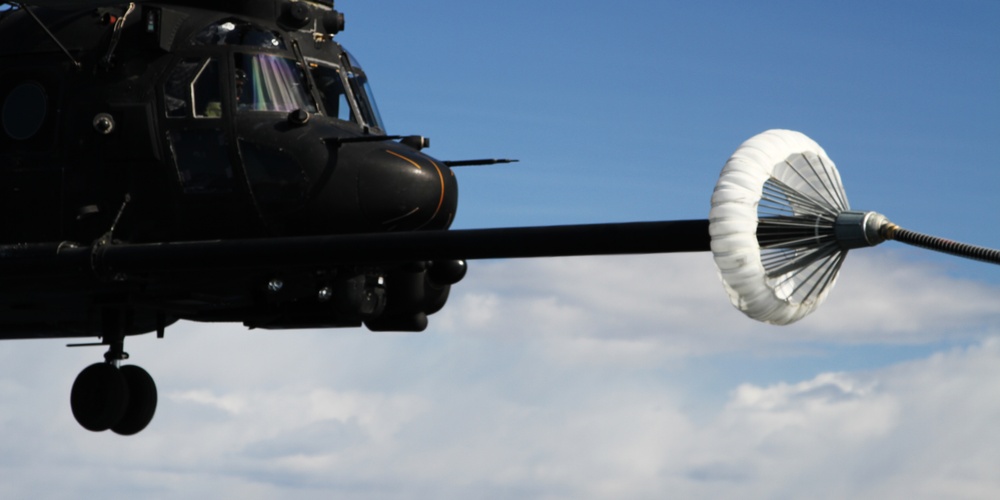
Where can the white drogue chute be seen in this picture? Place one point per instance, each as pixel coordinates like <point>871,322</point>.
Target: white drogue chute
<point>780,227</point>
<point>773,226</point>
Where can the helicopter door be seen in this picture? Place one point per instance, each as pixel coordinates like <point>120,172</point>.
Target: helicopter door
<point>198,143</point>
<point>197,140</point>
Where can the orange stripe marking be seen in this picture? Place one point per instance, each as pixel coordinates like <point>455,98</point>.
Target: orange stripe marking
<point>397,155</point>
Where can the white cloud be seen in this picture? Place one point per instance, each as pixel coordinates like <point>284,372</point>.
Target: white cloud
<point>879,297</point>
<point>379,416</point>
<point>922,429</point>
<point>677,303</point>
<point>544,378</point>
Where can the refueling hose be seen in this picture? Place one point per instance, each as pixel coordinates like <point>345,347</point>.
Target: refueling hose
<point>891,231</point>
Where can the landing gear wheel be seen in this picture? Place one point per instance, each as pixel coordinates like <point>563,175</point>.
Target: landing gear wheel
<point>99,397</point>
<point>141,401</point>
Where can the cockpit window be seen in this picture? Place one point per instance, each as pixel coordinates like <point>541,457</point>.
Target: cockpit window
<point>366,101</point>
<point>205,90</point>
<point>265,82</point>
<point>363,93</point>
<point>193,90</point>
<point>235,31</point>
<point>331,91</point>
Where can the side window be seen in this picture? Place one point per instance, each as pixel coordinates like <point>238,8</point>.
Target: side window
<point>331,91</point>
<point>366,103</point>
<point>177,90</point>
<point>205,88</point>
<point>192,90</point>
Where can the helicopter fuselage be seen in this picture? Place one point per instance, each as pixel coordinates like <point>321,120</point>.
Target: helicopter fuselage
<point>183,121</point>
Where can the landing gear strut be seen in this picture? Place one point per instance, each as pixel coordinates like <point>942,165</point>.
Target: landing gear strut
<point>108,396</point>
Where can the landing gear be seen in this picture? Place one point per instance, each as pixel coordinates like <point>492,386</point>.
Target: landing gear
<point>99,397</point>
<point>108,397</point>
<point>120,399</point>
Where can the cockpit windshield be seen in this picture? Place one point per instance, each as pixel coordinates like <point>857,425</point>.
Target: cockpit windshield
<point>345,92</point>
<point>366,100</point>
<point>266,82</point>
<point>363,93</point>
<point>331,90</point>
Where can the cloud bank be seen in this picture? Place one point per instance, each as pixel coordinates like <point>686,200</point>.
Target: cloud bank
<point>566,378</point>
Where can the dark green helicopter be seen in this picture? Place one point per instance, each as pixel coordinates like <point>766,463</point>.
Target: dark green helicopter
<point>222,161</point>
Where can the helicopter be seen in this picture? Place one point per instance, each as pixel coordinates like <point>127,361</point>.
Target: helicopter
<point>223,161</point>
<point>218,161</point>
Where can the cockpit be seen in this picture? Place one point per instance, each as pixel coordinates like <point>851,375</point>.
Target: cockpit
<point>266,75</point>
<point>251,112</point>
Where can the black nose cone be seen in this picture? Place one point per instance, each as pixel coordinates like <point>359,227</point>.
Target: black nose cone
<point>401,189</point>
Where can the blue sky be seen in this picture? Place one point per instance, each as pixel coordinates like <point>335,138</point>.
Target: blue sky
<point>610,377</point>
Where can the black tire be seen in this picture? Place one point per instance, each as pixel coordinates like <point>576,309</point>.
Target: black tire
<point>99,397</point>
<point>141,401</point>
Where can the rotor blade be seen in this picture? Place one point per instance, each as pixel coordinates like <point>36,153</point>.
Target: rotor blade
<point>374,248</point>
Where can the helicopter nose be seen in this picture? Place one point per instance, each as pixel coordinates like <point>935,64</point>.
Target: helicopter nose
<point>401,189</point>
